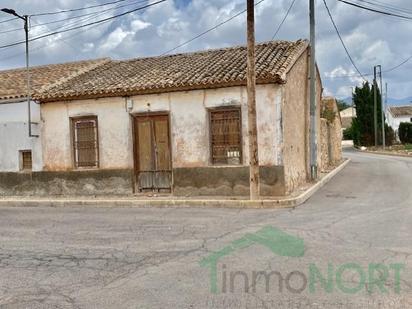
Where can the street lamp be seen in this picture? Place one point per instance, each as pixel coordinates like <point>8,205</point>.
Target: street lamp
<point>25,18</point>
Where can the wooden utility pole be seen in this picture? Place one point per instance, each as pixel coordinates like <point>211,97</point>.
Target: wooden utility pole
<point>312,85</point>
<point>251,101</point>
<point>375,107</point>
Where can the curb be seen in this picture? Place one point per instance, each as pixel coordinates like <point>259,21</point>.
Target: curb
<point>386,153</point>
<point>175,203</point>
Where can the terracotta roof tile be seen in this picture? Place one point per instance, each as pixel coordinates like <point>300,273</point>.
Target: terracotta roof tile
<point>13,82</point>
<point>399,111</point>
<point>198,70</point>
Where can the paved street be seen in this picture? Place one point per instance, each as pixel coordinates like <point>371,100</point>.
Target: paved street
<point>149,258</point>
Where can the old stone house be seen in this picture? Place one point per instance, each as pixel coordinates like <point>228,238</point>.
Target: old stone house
<point>176,124</point>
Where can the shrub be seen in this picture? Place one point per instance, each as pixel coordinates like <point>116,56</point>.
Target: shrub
<point>353,133</point>
<point>389,135</point>
<point>347,134</point>
<point>405,132</point>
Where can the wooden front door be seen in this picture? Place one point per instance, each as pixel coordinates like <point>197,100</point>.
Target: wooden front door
<point>153,159</point>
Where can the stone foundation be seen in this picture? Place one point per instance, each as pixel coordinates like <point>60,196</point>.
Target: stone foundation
<point>194,181</point>
<point>71,183</point>
<point>226,181</point>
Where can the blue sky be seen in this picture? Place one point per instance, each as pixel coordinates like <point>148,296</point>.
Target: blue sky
<point>371,38</point>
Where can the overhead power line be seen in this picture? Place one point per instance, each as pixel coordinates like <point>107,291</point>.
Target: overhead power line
<point>81,26</point>
<point>7,20</point>
<point>283,20</point>
<point>77,16</point>
<point>375,10</point>
<point>78,9</point>
<point>387,6</point>
<point>369,74</point>
<point>343,43</point>
<point>208,30</point>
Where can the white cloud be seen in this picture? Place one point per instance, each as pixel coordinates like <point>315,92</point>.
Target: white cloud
<point>114,39</point>
<point>138,25</point>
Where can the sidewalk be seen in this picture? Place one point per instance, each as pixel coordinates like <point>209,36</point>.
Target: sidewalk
<point>296,199</point>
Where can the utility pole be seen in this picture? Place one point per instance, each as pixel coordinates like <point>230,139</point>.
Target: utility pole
<point>251,100</point>
<point>25,18</point>
<point>375,107</point>
<point>353,114</point>
<point>313,109</point>
<point>386,95</point>
<point>382,108</point>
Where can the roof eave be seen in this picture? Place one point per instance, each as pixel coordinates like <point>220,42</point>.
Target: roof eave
<point>49,99</point>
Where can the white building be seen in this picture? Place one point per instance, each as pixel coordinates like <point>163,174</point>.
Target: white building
<point>346,116</point>
<point>397,114</point>
<point>18,151</point>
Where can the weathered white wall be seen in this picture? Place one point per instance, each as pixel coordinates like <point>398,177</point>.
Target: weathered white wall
<point>348,112</point>
<point>14,136</point>
<point>394,122</point>
<point>189,126</point>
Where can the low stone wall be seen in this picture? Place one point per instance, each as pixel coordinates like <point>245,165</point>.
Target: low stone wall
<point>330,143</point>
<point>71,183</point>
<point>324,144</point>
<point>201,181</point>
<point>226,181</point>
<point>335,139</point>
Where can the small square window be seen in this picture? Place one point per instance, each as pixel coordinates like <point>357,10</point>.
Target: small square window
<point>26,160</point>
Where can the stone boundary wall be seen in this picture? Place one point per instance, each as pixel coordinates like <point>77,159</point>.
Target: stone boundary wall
<point>330,144</point>
<point>67,183</point>
<point>226,181</point>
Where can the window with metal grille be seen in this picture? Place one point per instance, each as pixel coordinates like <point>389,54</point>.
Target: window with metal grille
<point>226,136</point>
<point>26,161</point>
<point>85,142</point>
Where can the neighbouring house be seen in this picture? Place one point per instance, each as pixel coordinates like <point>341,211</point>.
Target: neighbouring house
<point>397,114</point>
<point>346,116</point>
<point>176,124</point>
<point>330,134</point>
<point>18,151</point>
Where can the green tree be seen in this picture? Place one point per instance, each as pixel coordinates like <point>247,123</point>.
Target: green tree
<point>363,124</point>
<point>342,105</point>
<point>405,132</point>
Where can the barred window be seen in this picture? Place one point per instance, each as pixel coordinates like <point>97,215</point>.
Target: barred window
<point>85,142</point>
<point>226,136</point>
<point>26,161</point>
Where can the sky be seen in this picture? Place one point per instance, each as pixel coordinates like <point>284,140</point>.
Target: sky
<point>371,38</point>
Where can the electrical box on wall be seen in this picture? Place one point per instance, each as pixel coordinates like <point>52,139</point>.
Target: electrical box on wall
<point>129,104</point>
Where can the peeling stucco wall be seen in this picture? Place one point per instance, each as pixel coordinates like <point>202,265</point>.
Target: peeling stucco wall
<point>296,123</point>
<point>113,129</point>
<point>189,126</point>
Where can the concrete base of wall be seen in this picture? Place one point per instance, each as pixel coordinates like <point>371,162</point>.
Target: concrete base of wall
<point>289,201</point>
<point>86,182</point>
<point>194,181</point>
<point>226,181</point>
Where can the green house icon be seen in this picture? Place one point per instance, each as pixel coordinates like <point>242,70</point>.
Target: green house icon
<point>277,241</point>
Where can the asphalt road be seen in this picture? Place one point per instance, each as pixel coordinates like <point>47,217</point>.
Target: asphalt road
<point>355,234</point>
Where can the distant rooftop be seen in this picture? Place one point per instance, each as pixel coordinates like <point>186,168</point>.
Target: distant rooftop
<point>399,111</point>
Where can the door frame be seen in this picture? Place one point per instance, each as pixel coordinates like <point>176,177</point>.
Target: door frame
<point>136,165</point>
